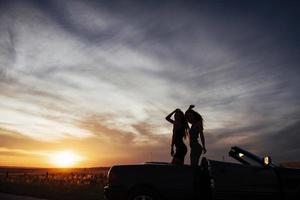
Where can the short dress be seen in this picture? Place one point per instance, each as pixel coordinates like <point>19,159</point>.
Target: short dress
<point>194,135</point>
<point>181,149</point>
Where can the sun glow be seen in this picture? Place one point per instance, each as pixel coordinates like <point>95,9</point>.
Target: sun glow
<point>65,158</point>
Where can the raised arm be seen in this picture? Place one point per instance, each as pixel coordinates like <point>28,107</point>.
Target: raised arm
<point>202,137</point>
<point>168,117</point>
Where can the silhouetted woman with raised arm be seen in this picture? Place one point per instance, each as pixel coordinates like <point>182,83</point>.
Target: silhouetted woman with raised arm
<point>180,128</point>
<point>196,129</point>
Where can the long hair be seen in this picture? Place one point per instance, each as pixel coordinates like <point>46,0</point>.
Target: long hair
<point>180,117</point>
<point>194,114</point>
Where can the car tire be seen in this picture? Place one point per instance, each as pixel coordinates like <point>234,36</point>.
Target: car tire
<point>143,194</point>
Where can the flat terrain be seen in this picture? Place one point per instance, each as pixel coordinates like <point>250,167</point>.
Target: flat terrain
<point>56,184</point>
<point>4,196</point>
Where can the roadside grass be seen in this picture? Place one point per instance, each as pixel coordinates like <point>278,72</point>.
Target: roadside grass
<point>56,186</point>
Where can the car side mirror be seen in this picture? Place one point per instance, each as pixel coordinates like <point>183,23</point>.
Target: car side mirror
<point>267,161</point>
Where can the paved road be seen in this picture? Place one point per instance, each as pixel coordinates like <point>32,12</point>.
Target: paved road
<point>4,196</point>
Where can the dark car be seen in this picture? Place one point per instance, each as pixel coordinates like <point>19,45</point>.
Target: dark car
<point>254,178</point>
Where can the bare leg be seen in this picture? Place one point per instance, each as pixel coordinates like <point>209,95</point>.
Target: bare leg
<point>196,151</point>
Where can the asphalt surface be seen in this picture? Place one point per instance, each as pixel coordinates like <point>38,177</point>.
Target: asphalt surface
<point>4,196</point>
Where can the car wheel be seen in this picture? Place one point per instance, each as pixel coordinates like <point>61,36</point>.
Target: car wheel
<point>143,194</point>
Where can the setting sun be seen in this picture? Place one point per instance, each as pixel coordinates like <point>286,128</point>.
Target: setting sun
<point>64,159</point>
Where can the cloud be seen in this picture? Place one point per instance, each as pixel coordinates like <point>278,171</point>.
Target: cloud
<point>99,126</point>
<point>112,71</point>
<point>281,144</point>
<point>19,152</point>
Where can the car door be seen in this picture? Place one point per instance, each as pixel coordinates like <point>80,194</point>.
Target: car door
<point>176,182</point>
<point>258,181</point>
<point>228,180</point>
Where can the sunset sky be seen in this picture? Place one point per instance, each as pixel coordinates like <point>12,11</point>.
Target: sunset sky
<point>97,78</point>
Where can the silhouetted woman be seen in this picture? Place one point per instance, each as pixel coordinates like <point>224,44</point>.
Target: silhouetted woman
<point>196,129</point>
<point>180,128</point>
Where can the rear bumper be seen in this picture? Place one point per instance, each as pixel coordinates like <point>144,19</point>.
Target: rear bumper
<point>115,192</point>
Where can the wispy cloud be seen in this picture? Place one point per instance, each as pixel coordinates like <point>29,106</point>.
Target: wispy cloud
<point>19,152</point>
<point>112,71</point>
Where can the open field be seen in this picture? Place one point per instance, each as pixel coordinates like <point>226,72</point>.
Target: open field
<point>57,184</point>
<point>61,184</point>
<point>4,196</point>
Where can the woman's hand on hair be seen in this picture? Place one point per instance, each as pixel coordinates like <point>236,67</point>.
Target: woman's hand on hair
<point>191,107</point>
